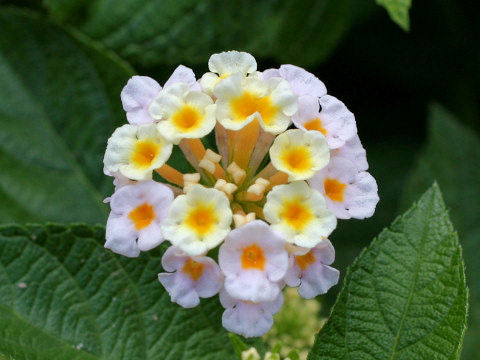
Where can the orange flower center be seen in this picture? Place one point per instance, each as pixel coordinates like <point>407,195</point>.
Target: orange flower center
<point>142,216</point>
<point>187,118</point>
<point>145,152</point>
<point>201,219</point>
<point>334,189</point>
<point>297,159</point>
<point>247,104</point>
<point>304,261</point>
<point>253,258</point>
<point>296,214</point>
<point>315,124</point>
<point>193,269</point>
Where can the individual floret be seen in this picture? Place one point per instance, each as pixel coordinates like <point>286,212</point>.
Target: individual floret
<point>241,100</point>
<point>248,318</point>
<point>136,150</point>
<point>311,271</point>
<point>140,91</point>
<point>183,113</point>
<point>223,65</point>
<point>254,261</point>
<point>199,220</point>
<point>299,153</point>
<point>299,213</point>
<point>189,278</point>
<point>349,193</point>
<point>334,120</point>
<point>137,213</point>
<point>301,81</point>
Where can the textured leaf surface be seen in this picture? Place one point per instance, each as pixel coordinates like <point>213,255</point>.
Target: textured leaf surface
<point>405,296</point>
<point>59,102</point>
<point>398,11</point>
<point>452,157</point>
<point>165,32</point>
<point>62,296</point>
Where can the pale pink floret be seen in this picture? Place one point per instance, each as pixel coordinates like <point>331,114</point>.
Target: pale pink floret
<point>122,236</point>
<point>315,278</point>
<point>247,318</point>
<point>352,150</point>
<point>360,195</point>
<point>254,284</point>
<point>301,81</point>
<point>338,123</point>
<point>185,289</point>
<point>140,91</point>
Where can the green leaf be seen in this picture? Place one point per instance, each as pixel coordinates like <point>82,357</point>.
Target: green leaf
<point>238,345</point>
<point>452,157</point>
<point>405,295</point>
<point>398,11</point>
<point>63,296</point>
<point>165,32</point>
<point>59,102</point>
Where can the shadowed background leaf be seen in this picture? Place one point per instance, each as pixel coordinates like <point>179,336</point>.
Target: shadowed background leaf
<point>159,32</point>
<point>452,157</point>
<point>61,94</point>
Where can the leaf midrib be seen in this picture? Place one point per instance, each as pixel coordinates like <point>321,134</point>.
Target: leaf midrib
<point>415,279</point>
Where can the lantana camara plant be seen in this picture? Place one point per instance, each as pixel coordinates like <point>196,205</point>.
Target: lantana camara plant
<point>287,164</point>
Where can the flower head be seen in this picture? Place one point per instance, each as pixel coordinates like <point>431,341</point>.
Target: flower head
<point>189,278</point>
<point>311,271</point>
<point>254,261</point>
<point>267,196</point>
<point>299,213</point>
<point>199,220</point>
<point>136,150</point>
<point>137,213</point>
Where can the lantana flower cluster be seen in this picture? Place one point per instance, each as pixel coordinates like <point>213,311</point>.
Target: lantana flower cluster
<point>276,162</point>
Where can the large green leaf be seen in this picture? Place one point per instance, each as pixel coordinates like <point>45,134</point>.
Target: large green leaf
<point>398,11</point>
<point>62,296</point>
<point>452,157</point>
<point>165,32</point>
<point>59,102</point>
<point>405,296</point>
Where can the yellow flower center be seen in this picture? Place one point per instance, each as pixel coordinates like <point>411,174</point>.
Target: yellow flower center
<point>145,152</point>
<point>315,124</point>
<point>334,189</point>
<point>253,258</point>
<point>201,219</point>
<point>296,214</point>
<point>304,261</point>
<point>247,104</point>
<point>193,269</point>
<point>297,159</point>
<point>187,118</point>
<point>142,216</point>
